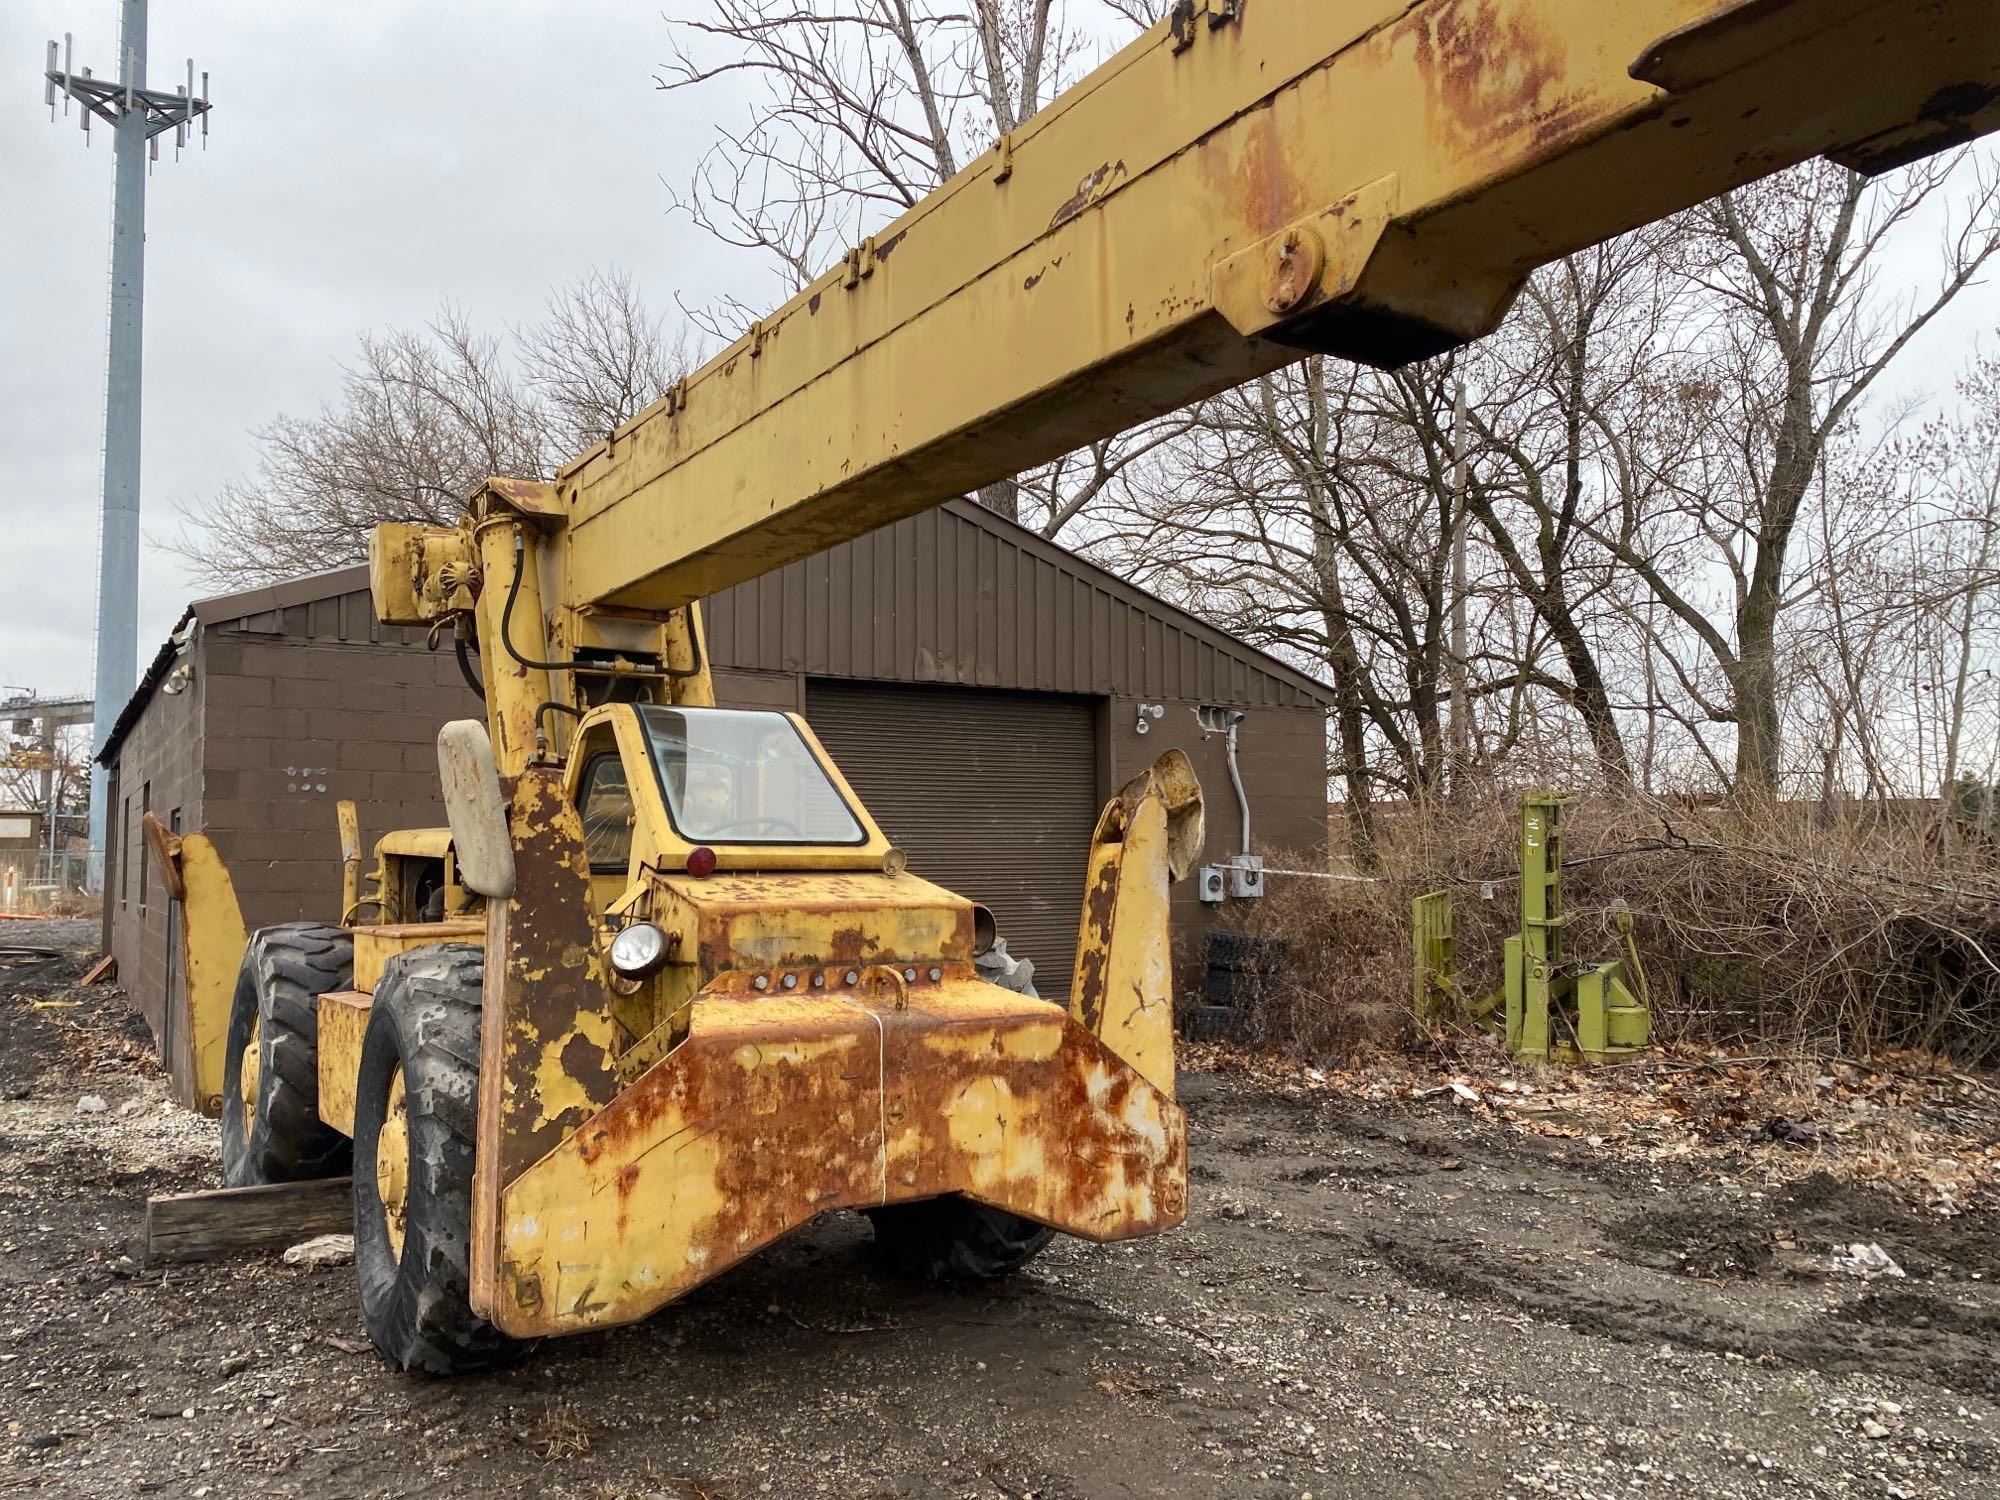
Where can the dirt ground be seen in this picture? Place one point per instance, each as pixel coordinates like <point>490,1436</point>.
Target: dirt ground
<point>1371,1299</point>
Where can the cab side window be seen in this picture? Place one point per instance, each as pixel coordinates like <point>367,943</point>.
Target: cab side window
<point>605,801</point>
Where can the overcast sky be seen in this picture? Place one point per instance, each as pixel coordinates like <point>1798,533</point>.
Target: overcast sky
<point>368,160</point>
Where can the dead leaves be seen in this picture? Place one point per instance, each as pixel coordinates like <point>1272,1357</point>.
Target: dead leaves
<point>1909,1124</point>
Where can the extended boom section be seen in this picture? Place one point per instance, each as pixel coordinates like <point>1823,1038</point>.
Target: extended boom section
<point>1254,179</point>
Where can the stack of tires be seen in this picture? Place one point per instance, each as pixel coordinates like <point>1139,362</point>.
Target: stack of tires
<point>1238,967</point>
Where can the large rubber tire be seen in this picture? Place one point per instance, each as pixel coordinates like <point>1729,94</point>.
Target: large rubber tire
<point>280,1137</point>
<point>956,1240</point>
<point>423,1032</point>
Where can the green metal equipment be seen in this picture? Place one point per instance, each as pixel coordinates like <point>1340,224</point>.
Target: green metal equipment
<point>1548,1005</point>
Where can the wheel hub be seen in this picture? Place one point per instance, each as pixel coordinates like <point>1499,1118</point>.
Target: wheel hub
<point>250,1073</point>
<point>392,1165</point>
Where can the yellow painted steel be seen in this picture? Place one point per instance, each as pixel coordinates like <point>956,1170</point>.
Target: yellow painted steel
<point>510,552</point>
<point>343,1021</point>
<point>375,946</point>
<point>414,843</point>
<point>392,1165</point>
<point>780,1107</point>
<point>213,942</point>
<point>1369,178</point>
<point>349,819</point>
<point>780,920</point>
<point>250,1077</point>
<point>1148,837</point>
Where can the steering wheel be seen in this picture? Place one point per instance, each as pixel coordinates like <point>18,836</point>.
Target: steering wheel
<point>749,825</point>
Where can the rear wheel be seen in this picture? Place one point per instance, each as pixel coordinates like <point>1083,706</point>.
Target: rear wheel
<point>955,1239</point>
<point>271,1130</point>
<point>416,1111</point>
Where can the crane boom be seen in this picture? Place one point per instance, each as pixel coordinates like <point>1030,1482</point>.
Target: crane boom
<point>1249,181</point>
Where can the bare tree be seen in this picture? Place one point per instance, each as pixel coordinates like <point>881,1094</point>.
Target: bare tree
<point>598,358</point>
<point>34,773</point>
<point>423,416</point>
<point>1569,382</point>
<point>858,110</point>
<point>1967,451</point>
<point>1787,328</point>
<point>1309,512</point>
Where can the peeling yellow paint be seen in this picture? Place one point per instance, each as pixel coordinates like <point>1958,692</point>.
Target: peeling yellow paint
<point>213,941</point>
<point>556,1092</point>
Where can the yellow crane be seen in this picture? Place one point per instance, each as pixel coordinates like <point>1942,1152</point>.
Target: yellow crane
<point>663,992</point>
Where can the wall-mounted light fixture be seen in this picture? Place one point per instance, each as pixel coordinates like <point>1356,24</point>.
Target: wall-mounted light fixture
<point>1148,713</point>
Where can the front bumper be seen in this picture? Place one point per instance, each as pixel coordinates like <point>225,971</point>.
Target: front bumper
<point>776,1109</point>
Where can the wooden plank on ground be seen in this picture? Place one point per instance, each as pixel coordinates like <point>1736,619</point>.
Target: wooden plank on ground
<point>225,1221</point>
<point>103,971</point>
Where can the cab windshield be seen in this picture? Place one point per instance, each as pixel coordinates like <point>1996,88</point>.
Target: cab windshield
<point>734,776</point>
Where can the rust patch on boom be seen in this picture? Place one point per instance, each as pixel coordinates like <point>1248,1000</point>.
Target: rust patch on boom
<point>1493,74</point>
<point>1093,189</point>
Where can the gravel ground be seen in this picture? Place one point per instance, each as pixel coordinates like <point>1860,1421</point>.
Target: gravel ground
<point>1370,1300</point>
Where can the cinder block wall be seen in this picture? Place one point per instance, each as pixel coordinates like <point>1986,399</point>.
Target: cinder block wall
<point>296,726</point>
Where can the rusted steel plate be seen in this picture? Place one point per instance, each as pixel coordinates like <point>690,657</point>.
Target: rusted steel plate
<point>769,921</point>
<point>213,940</point>
<point>1439,150</point>
<point>1148,836</point>
<point>343,1021</point>
<point>548,1032</point>
<point>778,1108</point>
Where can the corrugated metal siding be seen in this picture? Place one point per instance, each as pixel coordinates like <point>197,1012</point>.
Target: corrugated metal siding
<point>956,597</point>
<point>992,794</point>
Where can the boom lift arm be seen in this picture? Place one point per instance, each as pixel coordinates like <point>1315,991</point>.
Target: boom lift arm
<point>1250,181</point>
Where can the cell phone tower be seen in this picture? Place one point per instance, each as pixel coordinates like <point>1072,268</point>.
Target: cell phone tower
<point>137,117</point>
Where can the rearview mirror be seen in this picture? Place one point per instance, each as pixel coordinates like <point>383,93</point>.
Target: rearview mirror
<point>476,809</point>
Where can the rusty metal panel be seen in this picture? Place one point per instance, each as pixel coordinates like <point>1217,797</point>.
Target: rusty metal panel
<point>1194,214</point>
<point>343,1021</point>
<point>212,943</point>
<point>776,1110</point>
<point>1149,836</point>
<point>548,1039</point>
<point>776,921</point>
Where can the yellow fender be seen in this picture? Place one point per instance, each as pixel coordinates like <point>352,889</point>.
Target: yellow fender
<point>213,941</point>
<point>1149,836</point>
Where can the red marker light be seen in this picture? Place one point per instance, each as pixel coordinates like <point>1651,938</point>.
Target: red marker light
<point>701,862</point>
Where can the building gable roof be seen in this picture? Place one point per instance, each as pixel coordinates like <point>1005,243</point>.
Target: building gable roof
<point>1052,621</point>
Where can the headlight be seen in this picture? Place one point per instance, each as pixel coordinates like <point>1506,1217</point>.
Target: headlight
<point>639,951</point>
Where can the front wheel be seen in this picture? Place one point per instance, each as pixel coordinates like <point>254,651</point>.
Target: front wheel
<point>271,1129</point>
<point>955,1239</point>
<point>416,1111</point>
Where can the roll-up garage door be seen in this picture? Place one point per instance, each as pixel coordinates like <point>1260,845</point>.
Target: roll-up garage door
<point>993,795</point>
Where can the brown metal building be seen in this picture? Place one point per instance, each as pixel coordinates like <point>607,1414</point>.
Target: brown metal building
<point>982,689</point>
